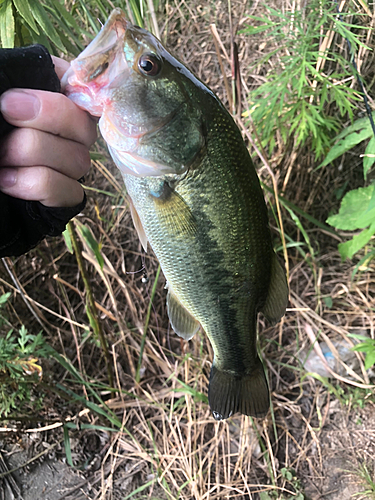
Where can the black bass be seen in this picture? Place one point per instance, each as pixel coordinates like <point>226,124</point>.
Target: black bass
<point>196,199</point>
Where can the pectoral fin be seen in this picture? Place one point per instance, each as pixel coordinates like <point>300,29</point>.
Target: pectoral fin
<point>181,320</point>
<point>174,212</point>
<point>138,225</point>
<point>277,298</point>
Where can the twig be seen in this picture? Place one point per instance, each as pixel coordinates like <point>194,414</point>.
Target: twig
<point>7,264</point>
<point>44,452</point>
<point>41,306</point>
<point>151,9</point>
<point>9,480</point>
<point>216,39</point>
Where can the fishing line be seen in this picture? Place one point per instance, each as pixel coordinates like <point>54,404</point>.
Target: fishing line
<point>144,278</point>
<point>356,72</point>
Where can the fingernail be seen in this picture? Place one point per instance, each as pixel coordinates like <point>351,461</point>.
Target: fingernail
<point>19,105</point>
<point>8,177</point>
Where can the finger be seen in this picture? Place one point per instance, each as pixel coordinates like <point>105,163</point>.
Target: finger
<point>43,184</point>
<point>61,66</point>
<point>50,112</point>
<point>26,147</point>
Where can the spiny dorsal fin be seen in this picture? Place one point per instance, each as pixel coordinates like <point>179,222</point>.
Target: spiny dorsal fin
<point>138,224</point>
<point>229,393</point>
<point>181,320</point>
<point>277,298</point>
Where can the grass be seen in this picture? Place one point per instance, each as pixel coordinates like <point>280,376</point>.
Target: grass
<point>295,102</point>
<point>161,441</point>
<point>367,480</point>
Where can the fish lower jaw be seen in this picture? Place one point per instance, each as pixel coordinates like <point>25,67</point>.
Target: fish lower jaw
<point>83,99</point>
<point>129,163</point>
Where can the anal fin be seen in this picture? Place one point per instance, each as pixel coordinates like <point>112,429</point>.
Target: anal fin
<point>277,298</point>
<point>183,323</point>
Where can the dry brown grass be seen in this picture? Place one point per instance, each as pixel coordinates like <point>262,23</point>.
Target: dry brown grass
<point>169,446</point>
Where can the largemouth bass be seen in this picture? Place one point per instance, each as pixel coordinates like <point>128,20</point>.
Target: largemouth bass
<point>196,199</point>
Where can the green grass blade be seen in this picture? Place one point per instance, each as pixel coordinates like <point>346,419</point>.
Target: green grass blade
<point>7,25</point>
<point>93,23</point>
<point>147,320</point>
<point>89,238</point>
<point>75,426</point>
<point>141,488</point>
<point>101,410</point>
<point>288,204</point>
<point>68,450</point>
<point>302,229</point>
<point>68,18</point>
<point>23,9</point>
<point>324,380</point>
<point>41,17</point>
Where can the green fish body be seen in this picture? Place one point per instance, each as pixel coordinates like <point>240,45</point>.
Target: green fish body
<point>197,199</point>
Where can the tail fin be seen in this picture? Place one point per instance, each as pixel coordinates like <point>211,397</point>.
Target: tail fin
<point>229,393</point>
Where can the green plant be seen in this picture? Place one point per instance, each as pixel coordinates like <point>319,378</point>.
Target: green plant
<point>20,370</point>
<point>290,475</point>
<point>3,300</point>
<point>59,25</point>
<point>367,346</point>
<point>357,210</point>
<point>305,94</point>
<point>23,22</point>
<point>368,481</point>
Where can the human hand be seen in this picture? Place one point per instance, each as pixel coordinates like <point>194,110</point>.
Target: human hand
<point>43,158</point>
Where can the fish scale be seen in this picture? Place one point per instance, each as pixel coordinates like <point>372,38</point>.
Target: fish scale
<point>210,269</point>
<point>194,196</point>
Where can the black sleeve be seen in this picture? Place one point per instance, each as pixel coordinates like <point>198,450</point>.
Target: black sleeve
<point>23,224</point>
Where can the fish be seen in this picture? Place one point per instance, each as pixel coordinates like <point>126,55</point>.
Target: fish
<point>195,198</point>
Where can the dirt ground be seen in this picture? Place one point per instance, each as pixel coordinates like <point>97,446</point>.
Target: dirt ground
<point>319,438</point>
<point>329,463</point>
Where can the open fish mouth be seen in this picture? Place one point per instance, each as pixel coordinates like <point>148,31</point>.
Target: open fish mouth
<point>94,82</point>
<point>98,66</point>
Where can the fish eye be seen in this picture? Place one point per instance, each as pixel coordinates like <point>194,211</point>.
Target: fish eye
<point>149,64</point>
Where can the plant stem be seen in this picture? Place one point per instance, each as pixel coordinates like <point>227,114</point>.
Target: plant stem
<point>91,306</point>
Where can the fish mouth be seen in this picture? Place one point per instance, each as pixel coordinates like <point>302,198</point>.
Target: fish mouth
<point>98,65</point>
<point>94,76</point>
<point>113,30</point>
